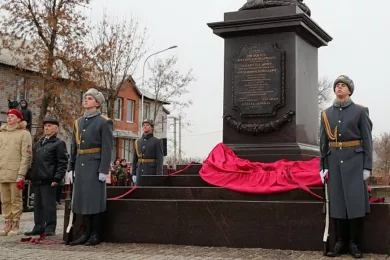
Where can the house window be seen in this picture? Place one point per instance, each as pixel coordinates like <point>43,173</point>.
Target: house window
<point>118,106</point>
<point>104,109</point>
<point>113,156</point>
<point>127,150</point>
<point>162,123</point>
<point>21,89</point>
<point>146,110</point>
<point>130,111</point>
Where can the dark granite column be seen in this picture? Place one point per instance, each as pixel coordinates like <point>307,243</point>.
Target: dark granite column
<point>270,82</point>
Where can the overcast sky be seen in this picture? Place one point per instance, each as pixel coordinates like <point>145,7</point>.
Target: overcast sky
<point>359,49</point>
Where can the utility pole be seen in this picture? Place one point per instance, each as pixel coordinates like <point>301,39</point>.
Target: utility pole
<point>174,143</point>
<point>180,162</point>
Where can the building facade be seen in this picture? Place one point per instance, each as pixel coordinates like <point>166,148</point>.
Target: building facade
<point>16,84</point>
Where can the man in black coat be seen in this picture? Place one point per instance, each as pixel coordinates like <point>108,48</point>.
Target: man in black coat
<point>26,112</point>
<point>50,160</point>
<point>148,156</point>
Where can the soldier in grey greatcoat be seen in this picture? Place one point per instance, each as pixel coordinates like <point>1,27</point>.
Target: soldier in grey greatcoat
<point>346,157</point>
<point>148,153</point>
<point>90,157</point>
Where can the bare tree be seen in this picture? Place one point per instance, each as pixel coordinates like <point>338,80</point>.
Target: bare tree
<point>46,36</point>
<point>382,153</point>
<point>118,48</point>
<point>325,92</point>
<point>168,85</point>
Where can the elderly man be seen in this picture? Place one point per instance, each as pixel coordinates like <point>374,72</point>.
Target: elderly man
<point>50,160</point>
<point>346,156</point>
<point>92,144</point>
<point>148,153</point>
<point>15,159</point>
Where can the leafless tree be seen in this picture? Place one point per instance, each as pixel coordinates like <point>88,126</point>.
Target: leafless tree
<point>168,85</point>
<point>118,47</point>
<point>382,154</point>
<point>325,92</point>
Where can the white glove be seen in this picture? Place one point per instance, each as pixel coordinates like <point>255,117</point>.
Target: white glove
<point>134,179</point>
<point>102,177</point>
<point>323,174</point>
<point>70,177</point>
<point>19,179</point>
<point>366,174</point>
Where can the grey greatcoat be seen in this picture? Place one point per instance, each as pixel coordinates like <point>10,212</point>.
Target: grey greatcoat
<point>149,147</point>
<point>89,194</point>
<point>348,196</point>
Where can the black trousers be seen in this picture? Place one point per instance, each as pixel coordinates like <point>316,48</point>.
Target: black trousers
<point>59,194</point>
<point>45,211</point>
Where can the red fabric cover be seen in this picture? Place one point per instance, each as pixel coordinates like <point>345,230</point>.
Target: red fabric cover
<point>223,168</point>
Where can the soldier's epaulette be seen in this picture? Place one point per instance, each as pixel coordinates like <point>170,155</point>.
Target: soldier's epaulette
<point>105,117</point>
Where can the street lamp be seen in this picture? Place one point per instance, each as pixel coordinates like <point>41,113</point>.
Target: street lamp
<point>143,84</point>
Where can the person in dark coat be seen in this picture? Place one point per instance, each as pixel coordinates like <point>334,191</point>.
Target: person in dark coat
<point>26,112</point>
<point>346,157</point>
<point>50,160</point>
<point>148,156</point>
<point>90,157</point>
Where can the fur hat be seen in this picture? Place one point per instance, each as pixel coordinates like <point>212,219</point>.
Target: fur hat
<point>347,81</point>
<point>16,113</point>
<point>148,121</point>
<point>98,96</point>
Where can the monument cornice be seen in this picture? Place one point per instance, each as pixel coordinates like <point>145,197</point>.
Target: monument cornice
<point>290,19</point>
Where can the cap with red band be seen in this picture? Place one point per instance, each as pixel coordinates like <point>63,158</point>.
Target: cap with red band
<point>16,113</point>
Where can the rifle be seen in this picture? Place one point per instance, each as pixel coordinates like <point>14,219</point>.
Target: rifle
<point>69,229</point>
<point>325,239</point>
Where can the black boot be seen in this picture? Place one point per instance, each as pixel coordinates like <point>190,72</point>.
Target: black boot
<point>87,232</point>
<point>35,232</point>
<point>354,237</point>
<point>94,239</point>
<point>341,226</point>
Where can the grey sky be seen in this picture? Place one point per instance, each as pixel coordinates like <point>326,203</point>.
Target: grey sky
<point>359,49</point>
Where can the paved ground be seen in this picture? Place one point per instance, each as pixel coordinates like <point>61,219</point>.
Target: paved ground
<point>11,248</point>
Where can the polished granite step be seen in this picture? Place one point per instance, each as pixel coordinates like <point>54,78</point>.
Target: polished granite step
<point>173,181</point>
<point>294,225</point>
<point>209,193</point>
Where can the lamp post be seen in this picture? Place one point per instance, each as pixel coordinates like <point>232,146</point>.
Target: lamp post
<point>143,84</point>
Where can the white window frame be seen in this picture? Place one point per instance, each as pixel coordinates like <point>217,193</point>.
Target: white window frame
<point>127,150</point>
<point>118,107</point>
<point>146,110</point>
<point>132,102</point>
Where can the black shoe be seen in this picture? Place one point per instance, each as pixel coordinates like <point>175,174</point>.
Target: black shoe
<point>34,233</point>
<point>93,240</point>
<point>80,241</point>
<point>354,250</point>
<point>339,249</point>
<point>50,233</point>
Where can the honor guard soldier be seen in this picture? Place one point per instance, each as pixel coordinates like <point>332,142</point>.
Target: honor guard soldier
<point>90,157</point>
<point>346,156</point>
<point>148,153</point>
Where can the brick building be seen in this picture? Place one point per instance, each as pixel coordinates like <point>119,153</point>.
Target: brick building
<point>127,113</point>
<point>16,84</point>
